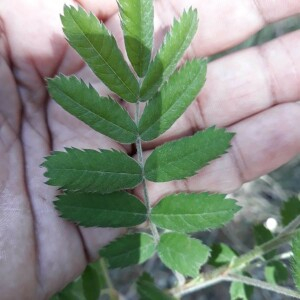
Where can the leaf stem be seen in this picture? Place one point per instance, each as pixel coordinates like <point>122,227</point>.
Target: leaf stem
<point>227,272</point>
<point>139,150</point>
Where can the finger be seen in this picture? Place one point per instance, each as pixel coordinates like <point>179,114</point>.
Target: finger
<point>16,223</point>
<point>263,142</point>
<point>243,84</point>
<point>103,9</point>
<point>224,24</point>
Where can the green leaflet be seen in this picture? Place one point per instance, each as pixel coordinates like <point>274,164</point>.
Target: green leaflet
<point>276,272</point>
<point>91,282</point>
<point>240,291</point>
<point>184,157</point>
<point>137,23</point>
<point>193,212</point>
<point>147,289</point>
<point>172,100</point>
<point>99,49</point>
<point>296,260</point>
<point>102,114</point>
<point>85,287</point>
<point>73,291</point>
<point>261,236</point>
<point>118,209</point>
<point>221,254</point>
<point>167,58</point>
<point>290,210</point>
<point>182,253</point>
<point>129,250</point>
<point>92,171</point>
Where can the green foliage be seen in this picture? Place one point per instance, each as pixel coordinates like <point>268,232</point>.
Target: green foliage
<point>296,259</point>
<point>168,56</point>
<point>102,114</point>
<point>221,254</point>
<point>86,287</point>
<point>137,23</point>
<point>182,253</point>
<point>147,289</point>
<point>240,291</point>
<point>193,212</point>
<point>92,180</point>
<point>92,171</point>
<point>276,272</point>
<point>129,250</point>
<point>117,209</point>
<point>261,236</point>
<point>99,49</point>
<point>184,157</point>
<point>290,210</point>
<point>172,100</point>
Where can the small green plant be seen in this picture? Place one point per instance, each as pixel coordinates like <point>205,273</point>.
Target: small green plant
<point>93,183</point>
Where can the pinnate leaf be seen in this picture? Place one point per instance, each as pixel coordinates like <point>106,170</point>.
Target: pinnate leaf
<point>147,289</point>
<point>184,157</point>
<point>193,212</point>
<point>168,56</point>
<point>296,260</point>
<point>102,114</point>
<point>118,209</point>
<point>182,253</point>
<point>290,210</point>
<point>92,171</point>
<point>90,38</point>
<point>129,250</point>
<point>137,23</point>
<point>172,100</point>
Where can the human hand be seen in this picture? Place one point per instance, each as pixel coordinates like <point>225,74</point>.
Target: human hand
<point>250,92</point>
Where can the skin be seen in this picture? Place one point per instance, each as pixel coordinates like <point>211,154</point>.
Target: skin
<point>252,93</point>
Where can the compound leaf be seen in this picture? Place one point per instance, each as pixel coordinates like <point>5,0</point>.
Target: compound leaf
<point>193,212</point>
<point>221,254</point>
<point>118,209</point>
<point>172,100</point>
<point>137,23</point>
<point>290,210</point>
<point>182,253</point>
<point>296,260</point>
<point>92,171</point>
<point>147,289</point>
<point>276,272</point>
<point>90,38</point>
<point>175,44</point>
<point>184,157</point>
<point>129,250</point>
<point>102,114</point>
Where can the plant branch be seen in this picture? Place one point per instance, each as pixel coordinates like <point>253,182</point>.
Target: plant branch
<point>263,285</point>
<point>139,150</point>
<point>237,264</point>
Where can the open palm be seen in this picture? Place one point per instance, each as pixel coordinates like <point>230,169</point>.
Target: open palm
<point>250,92</point>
